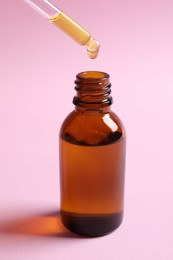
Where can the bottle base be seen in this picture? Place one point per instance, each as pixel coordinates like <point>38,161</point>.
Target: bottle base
<point>91,225</point>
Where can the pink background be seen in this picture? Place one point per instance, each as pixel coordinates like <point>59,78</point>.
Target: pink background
<point>38,64</point>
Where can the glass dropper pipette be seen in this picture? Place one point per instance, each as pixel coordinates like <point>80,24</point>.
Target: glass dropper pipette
<point>67,25</point>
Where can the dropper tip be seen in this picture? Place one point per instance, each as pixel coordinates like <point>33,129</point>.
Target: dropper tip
<point>92,47</point>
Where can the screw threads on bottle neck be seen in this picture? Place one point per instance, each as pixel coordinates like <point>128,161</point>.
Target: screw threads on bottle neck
<point>93,89</point>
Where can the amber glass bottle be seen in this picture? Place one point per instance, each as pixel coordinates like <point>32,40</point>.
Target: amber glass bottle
<point>92,159</point>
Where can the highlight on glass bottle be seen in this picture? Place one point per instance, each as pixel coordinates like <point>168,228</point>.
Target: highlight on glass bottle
<point>92,159</point>
<point>67,25</point>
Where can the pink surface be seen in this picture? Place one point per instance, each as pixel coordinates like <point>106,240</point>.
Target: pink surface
<point>38,64</point>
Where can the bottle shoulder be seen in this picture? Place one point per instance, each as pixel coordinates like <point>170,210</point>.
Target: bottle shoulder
<point>92,128</point>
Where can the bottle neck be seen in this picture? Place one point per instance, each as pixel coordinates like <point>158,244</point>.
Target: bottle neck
<point>93,91</point>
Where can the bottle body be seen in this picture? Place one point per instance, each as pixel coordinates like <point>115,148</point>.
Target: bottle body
<point>92,162</point>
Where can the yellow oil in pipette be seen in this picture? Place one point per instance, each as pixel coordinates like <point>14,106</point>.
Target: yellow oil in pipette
<point>77,33</point>
<point>67,25</point>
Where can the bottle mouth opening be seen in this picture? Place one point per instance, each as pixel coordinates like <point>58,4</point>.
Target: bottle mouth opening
<point>93,89</point>
<point>92,75</point>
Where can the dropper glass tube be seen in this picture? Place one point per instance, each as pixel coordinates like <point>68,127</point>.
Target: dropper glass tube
<point>67,25</point>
